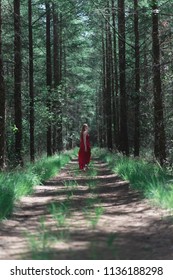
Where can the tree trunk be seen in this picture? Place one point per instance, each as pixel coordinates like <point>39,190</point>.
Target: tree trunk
<point>48,78</point>
<point>159,131</point>
<point>124,146</point>
<point>59,111</point>
<point>31,83</point>
<point>137,82</point>
<point>2,101</point>
<point>108,80</point>
<point>55,74</point>
<point>58,61</point>
<point>115,98</point>
<point>17,83</point>
<point>103,124</point>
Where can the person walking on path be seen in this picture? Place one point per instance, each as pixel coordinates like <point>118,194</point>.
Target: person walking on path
<point>84,154</point>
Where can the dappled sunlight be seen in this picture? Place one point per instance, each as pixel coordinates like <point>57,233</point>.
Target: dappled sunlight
<point>86,215</point>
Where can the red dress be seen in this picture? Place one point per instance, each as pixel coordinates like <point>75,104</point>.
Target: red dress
<point>84,156</point>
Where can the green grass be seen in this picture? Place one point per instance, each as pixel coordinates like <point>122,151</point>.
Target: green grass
<point>60,211</point>
<point>13,185</point>
<point>95,216</point>
<point>151,179</point>
<point>48,167</point>
<point>18,183</point>
<point>91,172</point>
<point>40,243</point>
<point>71,185</point>
<point>93,211</point>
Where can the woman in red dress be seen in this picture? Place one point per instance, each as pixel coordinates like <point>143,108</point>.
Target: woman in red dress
<point>84,154</point>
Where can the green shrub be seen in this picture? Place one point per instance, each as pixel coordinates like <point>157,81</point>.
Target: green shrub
<point>18,183</point>
<point>151,179</point>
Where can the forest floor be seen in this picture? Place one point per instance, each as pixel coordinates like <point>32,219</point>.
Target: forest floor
<point>95,215</point>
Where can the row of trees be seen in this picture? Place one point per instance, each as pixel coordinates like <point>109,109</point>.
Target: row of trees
<point>43,48</point>
<point>65,62</point>
<point>134,48</point>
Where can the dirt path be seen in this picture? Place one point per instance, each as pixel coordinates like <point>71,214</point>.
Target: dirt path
<point>86,215</point>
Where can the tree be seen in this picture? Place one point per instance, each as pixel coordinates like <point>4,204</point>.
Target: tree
<point>48,78</point>
<point>17,83</point>
<point>103,123</point>
<point>31,82</point>
<point>137,82</point>
<point>124,146</point>
<point>115,95</point>
<point>57,69</point>
<point>159,131</point>
<point>2,100</point>
<point>108,73</point>
<point>56,75</point>
<point>81,66</point>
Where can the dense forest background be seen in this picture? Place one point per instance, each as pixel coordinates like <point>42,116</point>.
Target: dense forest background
<point>107,63</point>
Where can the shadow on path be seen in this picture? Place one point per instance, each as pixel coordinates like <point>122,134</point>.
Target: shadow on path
<point>128,228</point>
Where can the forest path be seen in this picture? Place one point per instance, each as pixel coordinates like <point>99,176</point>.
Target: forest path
<point>86,215</point>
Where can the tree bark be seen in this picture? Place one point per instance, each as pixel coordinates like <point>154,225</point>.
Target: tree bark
<point>124,146</point>
<point>17,83</point>
<point>115,97</point>
<point>159,130</point>
<point>58,61</point>
<point>31,83</point>
<point>2,101</point>
<point>55,73</point>
<point>108,80</point>
<point>137,82</point>
<point>103,99</point>
<point>48,78</point>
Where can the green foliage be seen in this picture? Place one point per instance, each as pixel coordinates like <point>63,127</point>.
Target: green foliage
<point>71,185</point>
<point>81,87</point>
<point>18,183</point>
<point>93,214</point>
<point>47,167</point>
<point>6,198</point>
<point>13,185</point>
<point>98,211</point>
<point>40,243</point>
<point>93,211</point>
<point>152,180</point>
<point>59,212</point>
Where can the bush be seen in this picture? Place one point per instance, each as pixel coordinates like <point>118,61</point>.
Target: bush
<point>16,184</point>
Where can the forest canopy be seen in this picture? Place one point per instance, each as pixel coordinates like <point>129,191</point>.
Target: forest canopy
<point>107,63</point>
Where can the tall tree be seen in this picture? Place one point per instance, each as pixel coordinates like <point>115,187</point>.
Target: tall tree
<point>103,125</point>
<point>115,97</point>
<point>82,63</point>
<point>57,79</point>
<point>108,79</point>
<point>124,146</point>
<point>2,100</point>
<point>137,81</point>
<point>17,82</point>
<point>55,72</point>
<point>48,78</point>
<point>31,82</point>
<point>59,126</point>
<point>159,130</point>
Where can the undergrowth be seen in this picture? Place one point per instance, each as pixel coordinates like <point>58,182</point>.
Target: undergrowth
<point>151,179</point>
<point>20,182</point>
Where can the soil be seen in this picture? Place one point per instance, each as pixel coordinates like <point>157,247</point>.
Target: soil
<point>129,226</point>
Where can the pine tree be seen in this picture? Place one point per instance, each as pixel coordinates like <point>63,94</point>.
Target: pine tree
<point>159,130</point>
<point>2,100</point>
<point>17,83</point>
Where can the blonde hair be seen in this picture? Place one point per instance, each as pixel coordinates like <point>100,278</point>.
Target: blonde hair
<point>84,128</point>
